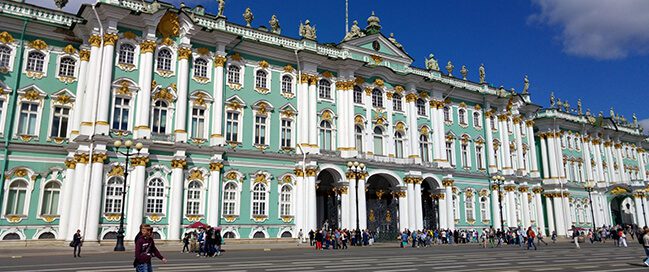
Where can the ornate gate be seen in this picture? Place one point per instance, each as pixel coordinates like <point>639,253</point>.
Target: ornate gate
<point>429,205</point>
<point>382,216</point>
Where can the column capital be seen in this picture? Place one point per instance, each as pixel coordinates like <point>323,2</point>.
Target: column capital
<point>94,40</point>
<point>219,61</point>
<point>110,38</point>
<point>84,55</point>
<point>184,53</point>
<point>447,182</point>
<point>99,157</point>
<point>81,158</point>
<point>523,189</point>
<point>216,166</point>
<point>70,163</point>
<point>139,161</point>
<point>298,172</point>
<point>147,46</point>
<point>178,163</point>
<point>510,188</point>
<point>537,190</point>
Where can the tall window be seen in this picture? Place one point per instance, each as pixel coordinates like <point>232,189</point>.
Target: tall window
<point>424,145</point>
<point>397,104</point>
<point>469,208</point>
<point>259,199</point>
<point>198,122</point>
<point>126,54</point>
<point>421,107</point>
<point>200,68</point>
<point>120,113</point>
<point>232,127</point>
<point>5,56</point>
<point>194,198</point>
<point>50,202</point>
<point>260,79</point>
<point>285,201</point>
<point>447,114</point>
<point>60,118</point>
<point>159,118</point>
<point>16,198</point>
<point>324,89</point>
<point>449,153</point>
<point>358,133</point>
<point>260,130</point>
<point>155,196</point>
<point>476,119</point>
<point>287,84</point>
<point>465,155</point>
<point>35,61</point>
<point>378,141</point>
<point>461,113</point>
<point>66,67</point>
<point>398,144</point>
<point>234,74</point>
<point>484,208</point>
<point>377,98</point>
<point>286,133</point>
<point>113,198</point>
<point>230,199</point>
<point>164,60</point>
<point>358,95</point>
<point>479,156</point>
<point>28,115</point>
<point>326,135</point>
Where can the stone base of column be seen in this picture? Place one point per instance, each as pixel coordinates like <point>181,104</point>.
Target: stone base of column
<point>348,153</point>
<point>86,128</point>
<point>535,174</point>
<point>180,135</point>
<point>217,140</point>
<point>102,128</point>
<point>142,132</point>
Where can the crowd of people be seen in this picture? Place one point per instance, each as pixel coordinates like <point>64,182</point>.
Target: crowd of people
<point>323,238</point>
<point>205,242</point>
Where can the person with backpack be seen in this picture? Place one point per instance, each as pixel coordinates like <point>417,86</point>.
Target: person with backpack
<point>145,249</point>
<point>530,238</point>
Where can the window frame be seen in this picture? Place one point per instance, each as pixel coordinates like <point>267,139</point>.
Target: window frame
<point>420,105</point>
<point>200,200</point>
<point>376,137</point>
<point>262,203</point>
<point>12,57</point>
<point>37,121</point>
<point>168,120</point>
<point>237,121</point>
<point>236,201</point>
<point>51,123</point>
<point>45,63</point>
<point>290,84</point>
<point>74,70</point>
<point>26,202</point>
<point>282,202</point>
<point>172,61</point>
<point>399,144</point>
<point>325,90</point>
<point>397,102</point>
<point>116,196</point>
<point>162,198</point>
<point>322,134</point>
<point>198,68</point>
<point>358,93</point>
<point>377,98</point>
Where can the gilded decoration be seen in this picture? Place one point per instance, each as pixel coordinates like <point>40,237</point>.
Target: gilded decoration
<point>112,217</point>
<point>99,157</point>
<point>286,180</point>
<point>259,218</point>
<point>483,192</point>
<point>510,188</point>
<point>124,88</point>
<point>195,174</point>
<point>371,216</point>
<point>288,68</point>
<point>194,218</point>
<point>377,59</point>
<point>202,51</point>
<point>236,57</point>
<point>63,99</point>
<point>81,158</point>
<point>379,82</point>
<point>219,61</point>
<point>288,113</point>
<point>468,192</point>
<point>70,164</point>
<point>178,163</point>
<point>368,91</point>
<point>110,38</point>
<point>116,171</point>
<point>14,218</point>
<point>411,97</point>
<point>287,218</point>
<point>261,178</point>
<point>327,74</point>
<point>326,116</point>
<point>448,182</point>
<point>388,95</point>
<point>537,190</point>
<point>311,172</point>
<point>84,55</point>
<point>400,127</point>
<point>230,218</point>
<point>38,44</point>
<point>31,95</point>
<point>69,49</point>
<point>139,161</point>
<point>184,53</point>
<point>216,166</point>
<point>358,120</point>
<point>523,189</point>
<point>298,172</point>
<point>154,217</point>
<point>169,25</point>
<point>619,190</point>
<point>231,176</point>
<point>263,64</point>
<point>147,46</point>
<point>94,40</point>
<point>129,35</point>
<point>5,37</point>
<point>21,173</point>
<point>49,218</point>
<point>163,94</point>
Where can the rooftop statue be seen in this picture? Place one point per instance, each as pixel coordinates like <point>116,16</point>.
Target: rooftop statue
<point>274,25</point>
<point>612,113</point>
<point>431,63</point>
<point>559,104</point>
<point>526,85</point>
<point>579,107</point>
<point>449,68</point>
<point>601,114</point>
<point>635,120</point>
<point>307,31</point>
<point>60,3</point>
<point>482,73</point>
<point>566,106</point>
<point>354,32</point>
<point>552,100</point>
<point>248,16</point>
<point>588,112</point>
<point>221,7</point>
<point>373,24</point>
<point>464,72</point>
<point>394,41</point>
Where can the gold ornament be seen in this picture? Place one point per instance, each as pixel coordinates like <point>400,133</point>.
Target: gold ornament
<point>69,49</point>
<point>178,163</point>
<point>5,37</point>
<point>147,46</point>
<point>195,175</point>
<point>116,171</point>
<point>216,166</point>
<point>110,38</point>
<point>219,61</point>
<point>184,53</point>
<point>169,25</point>
<point>95,40</point>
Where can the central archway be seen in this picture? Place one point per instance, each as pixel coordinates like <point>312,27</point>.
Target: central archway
<point>430,203</point>
<point>623,210</point>
<point>382,207</point>
<point>327,200</point>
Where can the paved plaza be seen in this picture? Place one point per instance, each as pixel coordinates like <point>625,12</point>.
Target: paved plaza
<point>559,257</point>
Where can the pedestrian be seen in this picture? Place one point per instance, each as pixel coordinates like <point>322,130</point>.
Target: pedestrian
<point>622,237</point>
<point>343,238</point>
<point>76,244</point>
<point>645,245</point>
<point>311,237</point>
<point>414,238</point>
<point>218,241</point>
<point>530,238</point>
<point>186,243</point>
<point>300,236</point>
<point>318,240</point>
<point>539,236</point>
<point>554,236</point>
<point>144,250</point>
<point>575,235</point>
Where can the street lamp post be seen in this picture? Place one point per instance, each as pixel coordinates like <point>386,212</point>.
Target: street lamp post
<point>358,169</point>
<point>589,187</point>
<point>500,180</point>
<point>128,144</point>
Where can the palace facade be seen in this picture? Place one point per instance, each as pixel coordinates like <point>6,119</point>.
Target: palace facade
<point>252,131</point>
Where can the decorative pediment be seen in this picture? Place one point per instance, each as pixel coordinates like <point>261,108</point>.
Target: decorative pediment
<point>168,94</point>
<point>63,97</point>
<point>201,98</point>
<point>263,107</point>
<point>32,93</point>
<point>234,102</point>
<point>377,48</point>
<point>261,177</point>
<point>288,110</point>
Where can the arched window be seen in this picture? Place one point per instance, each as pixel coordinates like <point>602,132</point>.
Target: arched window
<point>377,98</point>
<point>456,208</point>
<point>397,104</point>
<point>469,208</point>
<point>5,56</point>
<point>159,117</point>
<point>287,133</point>
<point>326,135</point>
<point>46,236</point>
<point>398,144</point>
<point>234,74</point>
<point>35,61</point>
<point>461,114</point>
<point>285,201</point>
<point>11,236</point>
<point>259,235</point>
<point>200,68</point>
<point>358,95</point>
<point>164,59</point>
<point>259,199</point>
<point>121,111</point>
<point>16,197</point>
<point>230,199</point>
<point>287,84</point>
<point>447,114</point>
<point>484,208</point>
<point>358,132</point>
<point>378,141</point>
<point>324,89</point>
<point>194,198</point>
<point>155,196</point>
<point>424,146</point>
<point>476,119</point>
<point>449,152</point>
<point>198,122</point>
<point>421,107</point>
<point>113,195</point>
<point>50,201</point>
<point>126,54</point>
<point>229,235</point>
<point>66,67</point>
<point>260,79</point>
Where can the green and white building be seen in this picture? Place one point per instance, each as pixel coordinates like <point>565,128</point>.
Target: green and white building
<point>252,131</point>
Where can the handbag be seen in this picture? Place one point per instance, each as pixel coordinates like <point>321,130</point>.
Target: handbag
<point>72,244</point>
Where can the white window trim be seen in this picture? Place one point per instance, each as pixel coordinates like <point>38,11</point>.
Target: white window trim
<point>293,132</point>
<point>363,98</point>
<point>452,159</point>
<point>210,63</point>
<point>77,63</point>
<point>42,196</point>
<point>46,62</point>
<point>40,102</point>
<point>332,91</point>
<point>165,195</point>
<point>28,196</point>
<point>174,59</point>
<point>279,200</point>
<point>463,122</point>
<point>237,200</point>
<point>242,73</point>
<point>267,198</point>
<point>479,124</point>
<point>207,102</point>
<point>482,158</point>
<point>239,125</point>
<point>4,103</point>
<point>487,208</point>
<point>293,85</point>
<point>203,192</point>
<point>450,115</point>
<point>269,82</point>
<point>12,57</point>
<point>333,130</point>
<point>104,191</point>
<point>466,214</point>
<point>55,103</point>
<point>136,54</point>
<point>468,155</point>
<point>131,103</point>
<point>267,117</point>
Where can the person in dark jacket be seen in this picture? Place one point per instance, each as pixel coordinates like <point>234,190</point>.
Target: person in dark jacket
<point>76,243</point>
<point>144,250</point>
<point>218,240</point>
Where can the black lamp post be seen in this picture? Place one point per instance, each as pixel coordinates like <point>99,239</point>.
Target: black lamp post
<point>128,144</point>
<point>499,181</point>
<point>358,170</point>
<point>589,187</point>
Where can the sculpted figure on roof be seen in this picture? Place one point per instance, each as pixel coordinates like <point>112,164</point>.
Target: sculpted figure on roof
<point>221,7</point>
<point>354,32</point>
<point>274,25</point>
<point>307,31</point>
<point>431,63</point>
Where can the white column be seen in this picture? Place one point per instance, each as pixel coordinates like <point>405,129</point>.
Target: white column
<point>403,210</point>
<point>511,205</point>
<point>440,133</point>
<point>390,147</point>
<point>142,129</point>
<point>646,208</point>
<point>303,114</point>
<point>566,211</point>
<point>343,130</point>
<point>519,145</point>
<point>620,163</point>
<point>411,203</point>
<point>413,133</point>
<point>75,210</point>
<point>344,207</point>
<point>443,215</point>
<point>66,198</point>
<point>637,197</point>
<point>176,199</point>
<point>490,142</point>
<point>526,214</point>
<point>495,207</point>
<point>214,194</point>
<point>609,162</point>
<point>588,168</point>
<point>550,210</point>
<point>532,156</point>
<point>313,121</point>
<point>598,160</point>
<point>300,215</point>
<point>136,210</point>
<point>362,204</point>
<point>352,202</point>
<point>640,154</point>
<point>504,148</point>
<point>181,103</point>
<point>91,229</point>
<point>448,195</point>
<point>540,221</point>
<point>105,84</point>
<point>559,215</point>
<point>84,56</point>
<point>92,85</point>
<point>419,217</point>
<point>216,138</point>
<point>552,157</point>
<point>311,197</point>
<point>545,157</point>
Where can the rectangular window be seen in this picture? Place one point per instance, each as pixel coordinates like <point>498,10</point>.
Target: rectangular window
<point>232,127</point>
<point>260,130</point>
<point>478,157</point>
<point>28,116</point>
<point>449,153</point>
<point>60,119</point>
<point>465,156</point>
<point>120,113</point>
<point>286,133</point>
<point>198,123</point>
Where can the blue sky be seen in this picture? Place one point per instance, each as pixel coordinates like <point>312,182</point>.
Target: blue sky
<point>596,50</point>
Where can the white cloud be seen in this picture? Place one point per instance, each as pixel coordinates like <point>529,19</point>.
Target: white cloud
<point>601,29</point>
<point>644,124</point>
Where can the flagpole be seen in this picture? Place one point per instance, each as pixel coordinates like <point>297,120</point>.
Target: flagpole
<point>346,16</point>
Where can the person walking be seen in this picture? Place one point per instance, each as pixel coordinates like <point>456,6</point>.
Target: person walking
<point>530,238</point>
<point>554,236</point>
<point>76,244</point>
<point>575,235</point>
<point>318,240</point>
<point>218,241</point>
<point>622,237</point>
<point>645,245</point>
<point>300,236</point>
<point>539,236</point>
<point>144,250</point>
<point>186,243</point>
